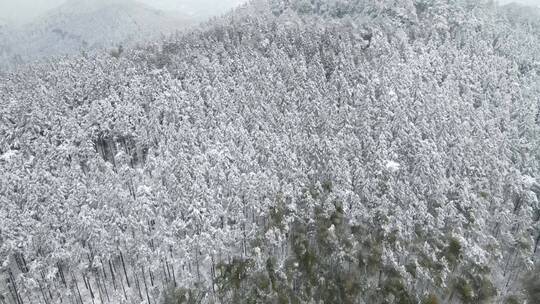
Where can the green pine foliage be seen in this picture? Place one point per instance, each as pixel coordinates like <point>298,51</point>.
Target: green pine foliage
<point>331,261</point>
<point>532,285</point>
<point>182,296</point>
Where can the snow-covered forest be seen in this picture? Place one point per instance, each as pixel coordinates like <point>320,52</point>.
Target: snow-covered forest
<point>291,151</point>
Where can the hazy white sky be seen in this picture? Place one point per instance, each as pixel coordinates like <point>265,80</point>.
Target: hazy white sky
<point>528,2</point>
<point>24,10</point>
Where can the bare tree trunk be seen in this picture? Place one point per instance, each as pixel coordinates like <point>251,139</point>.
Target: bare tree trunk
<point>166,278</point>
<point>536,243</point>
<point>87,282</point>
<point>48,287</point>
<point>84,281</point>
<point>77,286</point>
<point>98,288</point>
<point>138,285</point>
<point>22,261</point>
<point>197,261</point>
<point>213,274</point>
<point>43,293</point>
<point>18,262</point>
<point>61,272</point>
<point>173,275</point>
<point>145,286</point>
<point>10,288</point>
<point>508,262</point>
<point>103,269</point>
<point>121,283</point>
<point>124,266</point>
<point>102,283</point>
<point>19,298</point>
<point>112,275</point>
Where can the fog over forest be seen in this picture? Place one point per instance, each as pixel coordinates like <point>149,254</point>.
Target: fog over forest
<point>23,11</point>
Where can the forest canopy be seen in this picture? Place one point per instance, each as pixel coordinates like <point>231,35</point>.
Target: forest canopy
<point>336,151</point>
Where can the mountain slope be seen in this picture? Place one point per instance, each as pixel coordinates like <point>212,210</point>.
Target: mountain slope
<point>89,25</point>
<point>314,152</point>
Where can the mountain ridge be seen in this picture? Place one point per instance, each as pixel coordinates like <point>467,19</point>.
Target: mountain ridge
<point>86,25</point>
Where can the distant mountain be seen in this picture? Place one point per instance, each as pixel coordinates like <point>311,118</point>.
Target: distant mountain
<point>527,12</point>
<point>86,25</point>
<point>5,50</point>
<point>521,2</point>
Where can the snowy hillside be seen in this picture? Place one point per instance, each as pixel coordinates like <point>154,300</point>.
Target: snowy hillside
<point>88,25</point>
<point>300,151</point>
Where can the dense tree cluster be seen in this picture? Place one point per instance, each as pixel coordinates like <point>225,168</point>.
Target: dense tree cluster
<point>337,151</point>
